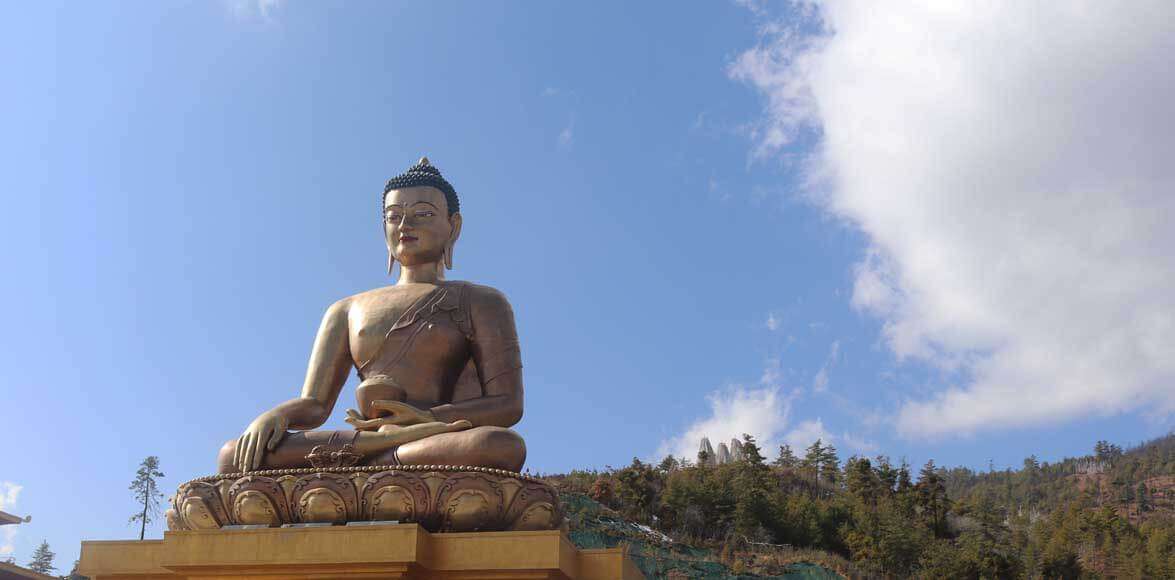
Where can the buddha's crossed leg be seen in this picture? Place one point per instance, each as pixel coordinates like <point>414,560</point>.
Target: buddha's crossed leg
<point>432,443</point>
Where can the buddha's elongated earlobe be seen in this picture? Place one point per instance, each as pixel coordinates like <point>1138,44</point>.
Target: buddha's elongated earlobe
<point>456,233</point>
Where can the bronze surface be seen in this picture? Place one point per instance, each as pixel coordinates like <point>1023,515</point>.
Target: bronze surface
<point>439,362</point>
<point>439,498</point>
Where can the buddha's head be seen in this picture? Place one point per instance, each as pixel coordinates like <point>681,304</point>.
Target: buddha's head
<point>421,217</point>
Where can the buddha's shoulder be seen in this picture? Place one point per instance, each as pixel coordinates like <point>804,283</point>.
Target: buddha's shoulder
<point>478,292</point>
<point>477,295</point>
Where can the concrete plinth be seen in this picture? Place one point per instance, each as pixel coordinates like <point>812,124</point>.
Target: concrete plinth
<point>383,551</point>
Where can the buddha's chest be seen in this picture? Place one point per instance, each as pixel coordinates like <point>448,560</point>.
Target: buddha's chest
<point>424,329</point>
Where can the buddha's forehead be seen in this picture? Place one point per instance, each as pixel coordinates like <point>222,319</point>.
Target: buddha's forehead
<point>410,196</point>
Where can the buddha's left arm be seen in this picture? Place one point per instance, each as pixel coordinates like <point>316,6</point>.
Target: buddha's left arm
<point>498,361</point>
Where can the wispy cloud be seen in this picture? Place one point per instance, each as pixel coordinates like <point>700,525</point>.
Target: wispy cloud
<point>567,135</point>
<point>772,322</point>
<point>820,381</point>
<point>806,433</point>
<point>254,9</point>
<point>1013,189</point>
<point>9,492</point>
<point>858,445</point>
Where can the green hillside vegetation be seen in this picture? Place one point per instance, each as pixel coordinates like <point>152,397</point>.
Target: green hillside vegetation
<point>1108,514</point>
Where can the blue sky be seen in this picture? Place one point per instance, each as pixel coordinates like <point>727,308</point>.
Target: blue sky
<point>712,218</point>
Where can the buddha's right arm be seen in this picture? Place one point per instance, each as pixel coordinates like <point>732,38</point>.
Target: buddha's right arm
<point>330,363</point>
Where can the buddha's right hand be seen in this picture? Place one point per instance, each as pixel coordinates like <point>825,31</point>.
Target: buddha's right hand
<point>262,435</point>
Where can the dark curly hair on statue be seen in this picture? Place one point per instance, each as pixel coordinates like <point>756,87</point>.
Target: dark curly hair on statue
<point>424,174</point>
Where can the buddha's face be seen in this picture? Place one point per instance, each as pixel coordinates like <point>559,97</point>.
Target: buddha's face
<point>417,224</point>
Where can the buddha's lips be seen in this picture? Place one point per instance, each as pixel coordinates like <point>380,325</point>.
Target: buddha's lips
<point>407,239</point>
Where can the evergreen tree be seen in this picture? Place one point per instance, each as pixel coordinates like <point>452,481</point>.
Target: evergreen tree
<point>668,464</point>
<point>887,474</point>
<point>636,489</point>
<point>1143,497</point>
<point>932,499</point>
<point>42,559</point>
<point>829,465</point>
<point>904,482</point>
<point>74,574</point>
<point>752,509</point>
<point>786,457</point>
<point>861,481</point>
<point>812,458</point>
<point>146,490</point>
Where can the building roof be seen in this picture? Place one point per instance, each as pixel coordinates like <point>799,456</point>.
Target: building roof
<point>7,518</point>
<point>14,572</point>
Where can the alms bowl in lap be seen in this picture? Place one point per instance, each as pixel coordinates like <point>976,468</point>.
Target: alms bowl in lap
<point>439,498</point>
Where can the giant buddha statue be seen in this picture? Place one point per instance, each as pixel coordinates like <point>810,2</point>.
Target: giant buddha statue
<point>441,385</point>
<point>438,360</point>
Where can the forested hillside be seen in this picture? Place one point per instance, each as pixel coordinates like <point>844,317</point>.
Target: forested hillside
<point>1108,514</point>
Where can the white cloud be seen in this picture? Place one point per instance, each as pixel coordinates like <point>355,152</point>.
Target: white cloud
<point>1010,168</point>
<point>249,9</point>
<point>858,445</point>
<point>567,135</point>
<point>820,381</point>
<point>9,492</point>
<point>761,412</point>
<point>805,433</point>
<point>772,322</point>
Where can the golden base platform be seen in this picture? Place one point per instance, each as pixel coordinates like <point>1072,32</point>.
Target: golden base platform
<point>345,552</point>
<point>442,498</point>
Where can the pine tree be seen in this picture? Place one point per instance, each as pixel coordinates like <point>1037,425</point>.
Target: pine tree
<point>146,490</point>
<point>786,457</point>
<point>812,457</point>
<point>829,465</point>
<point>904,483</point>
<point>74,574</point>
<point>42,559</point>
<point>752,488</point>
<point>1143,500</point>
<point>668,464</point>
<point>932,498</point>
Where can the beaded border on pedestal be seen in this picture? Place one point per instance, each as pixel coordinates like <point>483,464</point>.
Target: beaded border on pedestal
<point>364,469</point>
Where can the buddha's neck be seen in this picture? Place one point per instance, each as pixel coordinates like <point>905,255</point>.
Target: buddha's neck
<point>429,273</point>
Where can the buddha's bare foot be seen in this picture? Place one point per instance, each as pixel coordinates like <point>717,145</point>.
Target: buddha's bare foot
<point>361,423</point>
<point>399,435</point>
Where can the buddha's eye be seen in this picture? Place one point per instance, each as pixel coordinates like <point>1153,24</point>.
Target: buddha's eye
<point>425,214</point>
<point>394,217</point>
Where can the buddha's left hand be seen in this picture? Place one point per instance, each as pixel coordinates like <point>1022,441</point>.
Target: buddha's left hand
<point>401,414</point>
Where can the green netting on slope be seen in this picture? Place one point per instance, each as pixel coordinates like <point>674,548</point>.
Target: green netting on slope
<point>594,526</point>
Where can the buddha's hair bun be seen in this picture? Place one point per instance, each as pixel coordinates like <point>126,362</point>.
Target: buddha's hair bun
<point>424,174</point>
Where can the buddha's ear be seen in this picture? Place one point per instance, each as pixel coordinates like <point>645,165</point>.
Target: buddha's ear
<point>455,224</point>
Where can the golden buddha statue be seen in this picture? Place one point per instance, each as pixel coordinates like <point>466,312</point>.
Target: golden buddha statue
<point>439,360</point>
